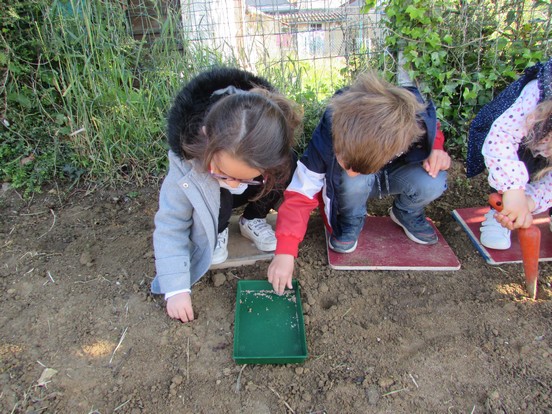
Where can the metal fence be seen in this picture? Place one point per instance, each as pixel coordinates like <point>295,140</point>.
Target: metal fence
<point>266,32</point>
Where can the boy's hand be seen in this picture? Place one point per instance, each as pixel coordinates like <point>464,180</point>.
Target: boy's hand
<point>180,307</point>
<point>516,212</point>
<point>437,161</point>
<point>280,272</point>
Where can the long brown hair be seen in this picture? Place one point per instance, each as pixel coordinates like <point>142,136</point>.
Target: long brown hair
<point>256,127</point>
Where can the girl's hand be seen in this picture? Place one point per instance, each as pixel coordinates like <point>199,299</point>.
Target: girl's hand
<point>516,212</point>
<point>280,272</point>
<point>180,307</point>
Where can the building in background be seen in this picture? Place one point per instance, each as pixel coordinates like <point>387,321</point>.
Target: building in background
<point>254,32</point>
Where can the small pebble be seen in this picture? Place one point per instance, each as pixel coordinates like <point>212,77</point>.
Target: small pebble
<point>218,279</point>
<point>373,395</point>
<point>85,258</point>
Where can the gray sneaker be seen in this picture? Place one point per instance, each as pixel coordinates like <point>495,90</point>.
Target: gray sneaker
<point>416,227</point>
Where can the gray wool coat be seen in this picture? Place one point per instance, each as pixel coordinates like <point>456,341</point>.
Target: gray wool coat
<point>185,225</point>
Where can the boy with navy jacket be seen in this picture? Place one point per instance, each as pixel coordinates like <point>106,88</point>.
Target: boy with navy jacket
<point>375,139</point>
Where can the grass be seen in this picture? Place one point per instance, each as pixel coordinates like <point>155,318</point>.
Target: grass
<point>93,106</point>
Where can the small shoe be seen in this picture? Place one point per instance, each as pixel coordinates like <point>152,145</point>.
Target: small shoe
<point>259,232</point>
<point>342,246</point>
<point>493,235</point>
<point>221,249</point>
<point>416,227</point>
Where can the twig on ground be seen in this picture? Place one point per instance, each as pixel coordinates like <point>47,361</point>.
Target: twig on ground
<point>281,399</point>
<point>51,227</point>
<point>413,380</point>
<point>118,345</point>
<point>50,276</point>
<point>239,378</point>
<point>87,281</point>
<point>122,405</point>
<point>33,214</point>
<point>348,310</point>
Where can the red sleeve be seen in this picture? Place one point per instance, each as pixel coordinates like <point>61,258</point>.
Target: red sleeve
<point>439,142</point>
<point>291,223</point>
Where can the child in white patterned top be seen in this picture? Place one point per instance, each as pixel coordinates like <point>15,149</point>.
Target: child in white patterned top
<point>518,152</point>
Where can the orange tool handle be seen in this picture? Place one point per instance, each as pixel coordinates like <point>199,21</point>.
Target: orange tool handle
<point>495,200</point>
<point>529,241</point>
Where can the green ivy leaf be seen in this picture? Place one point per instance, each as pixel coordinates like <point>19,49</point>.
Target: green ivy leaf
<point>415,13</point>
<point>447,39</point>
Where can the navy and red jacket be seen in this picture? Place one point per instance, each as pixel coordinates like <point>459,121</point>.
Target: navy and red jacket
<point>317,178</point>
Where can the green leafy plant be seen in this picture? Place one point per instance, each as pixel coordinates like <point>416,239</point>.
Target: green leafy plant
<point>463,53</point>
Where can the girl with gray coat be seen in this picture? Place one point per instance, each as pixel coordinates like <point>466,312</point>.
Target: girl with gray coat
<point>230,136</point>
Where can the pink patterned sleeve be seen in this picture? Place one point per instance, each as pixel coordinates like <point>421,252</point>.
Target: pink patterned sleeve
<point>506,171</point>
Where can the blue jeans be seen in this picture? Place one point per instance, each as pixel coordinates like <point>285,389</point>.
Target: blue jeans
<point>411,185</point>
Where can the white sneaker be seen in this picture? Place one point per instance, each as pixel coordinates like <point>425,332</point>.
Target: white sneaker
<point>259,232</point>
<point>221,249</point>
<point>493,235</point>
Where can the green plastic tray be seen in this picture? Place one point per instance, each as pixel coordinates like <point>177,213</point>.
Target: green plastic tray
<point>268,329</point>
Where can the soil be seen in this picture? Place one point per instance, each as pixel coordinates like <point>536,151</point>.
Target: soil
<point>81,333</point>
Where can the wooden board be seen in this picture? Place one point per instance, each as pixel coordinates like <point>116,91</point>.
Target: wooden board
<point>471,218</point>
<point>383,245</point>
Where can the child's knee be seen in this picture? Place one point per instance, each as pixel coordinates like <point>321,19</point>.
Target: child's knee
<point>433,188</point>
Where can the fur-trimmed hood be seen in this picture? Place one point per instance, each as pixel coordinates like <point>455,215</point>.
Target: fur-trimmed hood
<point>195,98</point>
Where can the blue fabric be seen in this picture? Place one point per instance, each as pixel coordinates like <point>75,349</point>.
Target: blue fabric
<point>319,157</point>
<point>481,124</point>
<point>412,185</point>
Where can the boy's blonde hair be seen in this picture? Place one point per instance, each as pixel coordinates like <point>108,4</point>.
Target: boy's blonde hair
<point>539,125</point>
<point>373,121</point>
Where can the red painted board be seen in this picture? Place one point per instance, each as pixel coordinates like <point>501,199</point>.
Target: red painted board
<point>470,219</point>
<point>382,245</point>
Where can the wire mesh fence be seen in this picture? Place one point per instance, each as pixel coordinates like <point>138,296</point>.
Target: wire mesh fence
<point>264,33</point>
